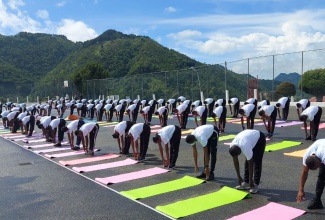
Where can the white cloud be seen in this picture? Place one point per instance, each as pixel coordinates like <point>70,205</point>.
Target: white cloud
<point>14,4</point>
<point>76,30</point>
<point>170,9</point>
<point>42,14</point>
<point>61,4</point>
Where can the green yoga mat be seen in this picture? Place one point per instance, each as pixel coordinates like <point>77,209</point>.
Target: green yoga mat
<point>202,203</point>
<point>227,137</point>
<point>281,145</point>
<point>161,188</point>
<point>211,119</point>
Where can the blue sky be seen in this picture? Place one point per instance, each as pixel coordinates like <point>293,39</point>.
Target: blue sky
<point>206,30</point>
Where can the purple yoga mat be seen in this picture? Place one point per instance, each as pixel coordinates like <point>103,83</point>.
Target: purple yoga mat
<point>276,122</point>
<point>88,160</point>
<point>131,176</point>
<point>67,154</point>
<point>42,145</point>
<point>53,149</point>
<point>105,166</point>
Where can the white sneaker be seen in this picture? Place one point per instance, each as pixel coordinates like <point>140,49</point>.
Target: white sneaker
<point>254,190</point>
<point>243,186</point>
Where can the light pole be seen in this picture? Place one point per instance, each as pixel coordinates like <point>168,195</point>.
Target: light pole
<point>198,78</point>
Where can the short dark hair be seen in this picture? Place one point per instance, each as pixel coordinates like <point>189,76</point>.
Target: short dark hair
<point>229,101</point>
<point>261,112</point>
<point>115,135</point>
<point>241,111</point>
<point>278,105</point>
<point>194,112</point>
<point>234,150</point>
<point>311,162</point>
<point>298,105</point>
<point>156,138</point>
<point>213,115</point>
<point>190,139</point>
<point>64,129</point>
<point>141,111</point>
<point>156,113</point>
<point>303,117</point>
<point>76,132</point>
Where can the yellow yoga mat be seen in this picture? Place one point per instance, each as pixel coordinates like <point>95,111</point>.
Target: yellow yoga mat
<point>188,131</point>
<point>298,153</point>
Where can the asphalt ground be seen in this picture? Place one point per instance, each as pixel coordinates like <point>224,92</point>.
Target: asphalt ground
<point>34,187</point>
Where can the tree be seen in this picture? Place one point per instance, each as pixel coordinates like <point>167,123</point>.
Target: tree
<point>286,89</point>
<point>312,82</point>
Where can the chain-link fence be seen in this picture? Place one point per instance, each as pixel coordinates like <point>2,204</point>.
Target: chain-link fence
<point>239,78</point>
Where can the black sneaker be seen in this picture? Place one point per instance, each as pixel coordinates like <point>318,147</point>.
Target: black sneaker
<point>211,177</point>
<point>172,166</point>
<point>57,145</point>
<point>202,175</point>
<point>315,204</point>
<point>308,137</point>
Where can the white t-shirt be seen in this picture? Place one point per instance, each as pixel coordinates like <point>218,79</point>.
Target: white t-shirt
<point>22,115</point>
<point>248,108</point>
<point>268,109</point>
<point>262,103</point>
<point>166,133</point>
<point>72,126</point>
<point>90,106</point>
<point>86,128</point>
<point>160,101</point>
<point>181,98</point>
<point>11,115</point>
<point>200,110</point>
<point>135,101</point>
<point>45,121</point>
<point>317,148</point>
<point>25,119</point>
<point>55,123</point>
<point>118,107</point>
<point>196,103</point>
<point>98,106</point>
<point>151,102</point>
<point>4,114</point>
<point>79,105</point>
<point>161,110</point>
<point>120,128</point>
<point>250,100</point>
<point>107,107</point>
<point>132,107</point>
<point>283,101</point>
<point>234,100</point>
<point>181,108</point>
<point>218,111</point>
<point>246,141</point>
<point>146,109</point>
<point>208,100</point>
<point>303,103</point>
<point>219,102</point>
<point>171,101</point>
<point>310,112</point>
<point>143,102</point>
<point>136,130</point>
<point>186,102</point>
<point>203,133</point>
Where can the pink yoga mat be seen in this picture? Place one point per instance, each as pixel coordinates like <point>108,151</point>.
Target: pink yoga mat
<point>269,212</point>
<point>155,126</point>
<point>35,141</point>
<point>276,122</point>
<point>27,138</point>
<point>88,160</point>
<point>321,125</point>
<point>289,124</point>
<point>155,130</point>
<point>105,166</point>
<point>53,149</point>
<point>70,153</point>
<point>131,176</point>
<point>38,146</point>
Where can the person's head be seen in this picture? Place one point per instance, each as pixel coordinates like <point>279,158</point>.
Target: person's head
<point>194,113</point>
<point>141,111</point>
<point>190,139</point>
<point>229,101</point>
<point>115,135</point>
<point>156,138</point>
<point>38,123</point>
<point>278,105</point>
<point>216,105</point>
<point>64,129</point>
<point>234,150</point>
<point>241,111</point>
<point>313,162</point>
<point>303,118</point>
<point>261,113</point>
<point>298,105</point>
<point>175,110</point>
<point>77,132</point>
<point>40,126</point>
<point>156,113</point>
<point>213,115</point>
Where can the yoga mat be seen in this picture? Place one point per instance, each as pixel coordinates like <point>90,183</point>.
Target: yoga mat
<point>281,145</point>
<point>227,137</point>
<point>155,130</point>
<point>148,191</point>
<point>188,131</point>
<point>105,166</point>
<point>321,125</point>
<point>38,146</point>
<point>155,126</point>
<point>299,153</point>
<point>27,138</point>
<point>202,203</point>
<point>239,122</point>
<point>269,212</point>
<point>109,126</point>
<point>15,136</point>
<point>276,122</point>
<point>131,176</point>
<point>286,124</point>
<point>88,160</point>
<point>67,154</point>
<point>53,149</point>
<point>36,141</point>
